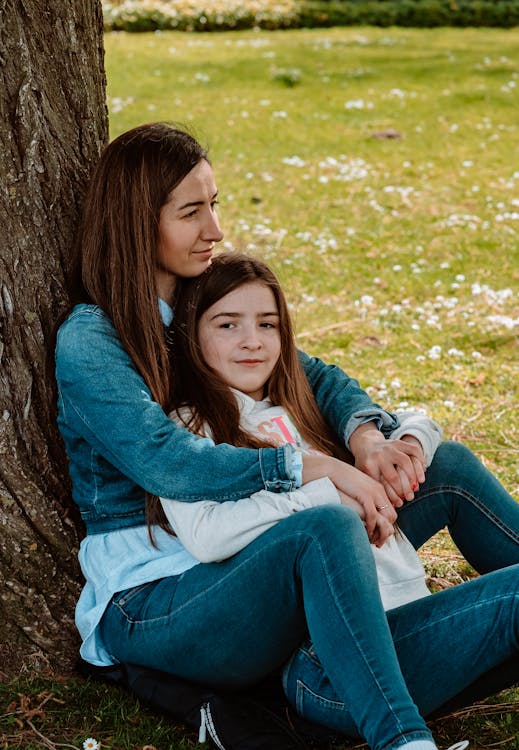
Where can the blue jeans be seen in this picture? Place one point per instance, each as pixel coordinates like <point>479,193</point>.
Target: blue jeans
<point>311,580</point>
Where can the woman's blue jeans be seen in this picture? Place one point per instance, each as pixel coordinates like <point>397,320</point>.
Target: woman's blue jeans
<point>306,591</point>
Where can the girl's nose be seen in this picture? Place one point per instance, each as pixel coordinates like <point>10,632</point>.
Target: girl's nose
<point>250,340</point>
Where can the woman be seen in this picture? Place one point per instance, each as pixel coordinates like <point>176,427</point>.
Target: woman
<point>150,218</point>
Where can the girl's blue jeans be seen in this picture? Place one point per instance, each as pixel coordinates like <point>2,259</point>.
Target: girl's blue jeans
<point>306,591</point>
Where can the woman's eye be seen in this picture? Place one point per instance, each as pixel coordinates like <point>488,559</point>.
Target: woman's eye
<point>226,325</point>
<point>268,325</point>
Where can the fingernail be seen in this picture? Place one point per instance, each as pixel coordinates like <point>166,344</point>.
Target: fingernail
<point>415,486</point>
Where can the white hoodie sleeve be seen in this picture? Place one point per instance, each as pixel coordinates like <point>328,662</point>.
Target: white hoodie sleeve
<point>213,531</point>
<point>424,429</point>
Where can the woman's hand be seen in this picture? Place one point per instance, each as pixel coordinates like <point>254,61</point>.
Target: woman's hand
<point>376,507</point>
<point>397,464</point>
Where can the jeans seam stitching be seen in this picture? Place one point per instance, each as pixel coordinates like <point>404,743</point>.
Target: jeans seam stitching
<point>484,509</point>
<point>316,539</point>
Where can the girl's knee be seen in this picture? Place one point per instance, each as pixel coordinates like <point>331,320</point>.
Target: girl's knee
<point>333,532</point>
<point>329,517</point>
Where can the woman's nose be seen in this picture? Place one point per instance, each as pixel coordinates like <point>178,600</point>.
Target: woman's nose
<point>212,229</point>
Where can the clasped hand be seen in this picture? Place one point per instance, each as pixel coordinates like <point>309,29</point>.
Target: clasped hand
<point>399,465</point>
<point>386,473</point>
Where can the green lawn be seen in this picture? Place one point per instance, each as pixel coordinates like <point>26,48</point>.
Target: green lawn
<point>399,255</point>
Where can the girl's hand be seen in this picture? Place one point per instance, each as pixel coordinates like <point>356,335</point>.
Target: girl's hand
<point>397,464</point>
<point>352,503</point>
<point>383,528</point>
<point>379,514</point>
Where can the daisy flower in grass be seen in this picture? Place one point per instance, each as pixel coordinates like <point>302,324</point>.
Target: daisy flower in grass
<point>90,744</point>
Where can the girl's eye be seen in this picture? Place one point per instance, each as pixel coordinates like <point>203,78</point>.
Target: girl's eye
<point>268,325</point>
<point>226,325</point>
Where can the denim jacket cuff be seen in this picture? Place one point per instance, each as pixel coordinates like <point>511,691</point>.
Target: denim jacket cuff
<point>277,468</point>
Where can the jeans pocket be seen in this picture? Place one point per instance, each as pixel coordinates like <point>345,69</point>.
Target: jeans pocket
<point>310,704</point>
<point>327,712</point>
<point>309,690</point>
<point>129,601</point>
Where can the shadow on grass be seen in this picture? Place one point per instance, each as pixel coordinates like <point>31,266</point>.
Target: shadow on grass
<point>62,712</point>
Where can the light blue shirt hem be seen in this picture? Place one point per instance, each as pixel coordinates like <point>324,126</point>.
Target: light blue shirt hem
<point>115,561</point>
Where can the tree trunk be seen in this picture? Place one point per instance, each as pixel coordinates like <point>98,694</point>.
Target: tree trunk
<point>53,123</point>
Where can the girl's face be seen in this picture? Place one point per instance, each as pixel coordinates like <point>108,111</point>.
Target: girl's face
<point>239,337</point>
<point>188,229</point>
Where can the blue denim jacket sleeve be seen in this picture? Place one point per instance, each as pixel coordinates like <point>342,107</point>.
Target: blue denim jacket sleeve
<point>342,401</point>
<point>106,407</point>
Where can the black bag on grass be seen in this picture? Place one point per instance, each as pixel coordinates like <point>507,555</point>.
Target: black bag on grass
<point>231,721</point>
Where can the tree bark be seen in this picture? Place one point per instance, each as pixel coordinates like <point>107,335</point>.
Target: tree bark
<point>53,123</point>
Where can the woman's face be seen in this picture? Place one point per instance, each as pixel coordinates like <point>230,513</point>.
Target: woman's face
<point>239,337</point>
<point>188,229</point>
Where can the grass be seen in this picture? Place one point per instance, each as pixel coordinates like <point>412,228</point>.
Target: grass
<point>62,713</point>
<point>388,247</point>
<point>399,255</point>
<point>57,713</point>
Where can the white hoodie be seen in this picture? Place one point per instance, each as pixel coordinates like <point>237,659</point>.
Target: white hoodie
<point>213,531</point>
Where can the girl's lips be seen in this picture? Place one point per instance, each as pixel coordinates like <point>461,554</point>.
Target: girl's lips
<point>249,362</point>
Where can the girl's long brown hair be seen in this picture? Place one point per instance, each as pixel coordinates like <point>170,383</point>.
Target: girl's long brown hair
<point>209,398</point>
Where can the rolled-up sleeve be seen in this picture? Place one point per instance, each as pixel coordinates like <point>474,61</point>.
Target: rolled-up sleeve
<point>342,401</point>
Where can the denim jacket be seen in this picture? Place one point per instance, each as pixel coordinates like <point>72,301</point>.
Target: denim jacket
<point>120,443</point>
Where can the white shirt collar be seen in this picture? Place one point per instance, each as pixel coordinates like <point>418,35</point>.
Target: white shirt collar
<point>248,405</point>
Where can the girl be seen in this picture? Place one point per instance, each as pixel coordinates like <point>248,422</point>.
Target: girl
<point>149,219</point>
<point>237,379</point>
<point>229,332</point>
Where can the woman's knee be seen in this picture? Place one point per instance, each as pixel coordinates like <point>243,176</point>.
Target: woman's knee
<point>452,452</point>
<point>454,462</point>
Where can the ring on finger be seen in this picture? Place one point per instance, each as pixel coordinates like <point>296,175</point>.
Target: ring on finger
<point>382,507</point>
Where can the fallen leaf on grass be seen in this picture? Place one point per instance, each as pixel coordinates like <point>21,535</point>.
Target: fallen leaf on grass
<point>25,711</point>
<point>441,583</point>
<point>369,341</point>
<point>388,134</point>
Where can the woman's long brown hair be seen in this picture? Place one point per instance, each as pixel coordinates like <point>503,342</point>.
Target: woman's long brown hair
<point>118,239</point>
<point>209,398</point>
<point>116,251</point>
